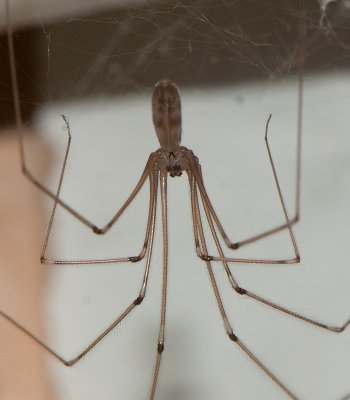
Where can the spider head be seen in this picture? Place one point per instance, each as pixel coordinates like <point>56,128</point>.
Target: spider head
<point>172,162</point>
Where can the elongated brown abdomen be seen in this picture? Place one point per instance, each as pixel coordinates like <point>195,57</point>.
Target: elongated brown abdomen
<point>166,111</point>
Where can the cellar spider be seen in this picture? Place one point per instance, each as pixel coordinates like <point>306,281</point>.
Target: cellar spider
<point>174,160</point>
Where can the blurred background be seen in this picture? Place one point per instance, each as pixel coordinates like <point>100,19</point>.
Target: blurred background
<point>235,62</point>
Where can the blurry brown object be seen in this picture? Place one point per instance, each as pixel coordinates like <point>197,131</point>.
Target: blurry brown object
<point>23,370</point>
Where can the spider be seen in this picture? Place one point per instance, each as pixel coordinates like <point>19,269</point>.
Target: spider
<point>173,160</point>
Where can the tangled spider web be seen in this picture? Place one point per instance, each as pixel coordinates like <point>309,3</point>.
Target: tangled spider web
<point>193,42</point>
<point>79,59</point>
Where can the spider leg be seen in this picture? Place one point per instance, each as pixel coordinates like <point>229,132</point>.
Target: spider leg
<point>236,245</point>
<point>289,221</point>
<point>332,328</point>
<point>139,257</point>
<point>161,336</point>
<point>240,290</point>
<point>82,219</point>
<point>197,226</point>
<point>211,215</point>
<point>24,168</point>
<point>136,302</point>
<point>148,168</point>
<point>295,219</point>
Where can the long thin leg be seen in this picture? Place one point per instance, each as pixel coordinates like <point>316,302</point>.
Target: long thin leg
<point>137,258</point>
<point>27,173</point>
<point>52,216</point>
<point>161,336</point>
<point>82,219</point>
<point>332,328</point>
<point>209,208</point>
<point>197,226</point>
<point>240,290</point>
<point>291,221</point>
<point>295,219</point>
<point>205,257</point>
<point>127,311</point>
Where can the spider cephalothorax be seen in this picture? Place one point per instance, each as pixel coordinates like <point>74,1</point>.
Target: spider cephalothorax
<point>173,162</point>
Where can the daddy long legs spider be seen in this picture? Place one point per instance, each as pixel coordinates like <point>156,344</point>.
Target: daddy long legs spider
<point>173,159</point>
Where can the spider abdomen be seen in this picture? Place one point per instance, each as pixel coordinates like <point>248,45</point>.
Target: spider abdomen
<point>166,112</point>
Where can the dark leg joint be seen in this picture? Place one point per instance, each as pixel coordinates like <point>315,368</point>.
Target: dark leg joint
<point>207,258</point>
<point>138,301</point>
<point>240,290</point>
<point>234,246</point>
<point>233,337</point>
<point>97,230</point>
<point>160,347</point>
<point>135,259</point>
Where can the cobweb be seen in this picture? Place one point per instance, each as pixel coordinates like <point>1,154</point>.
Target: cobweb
<point>230,59</point>
<point>191,42</point>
